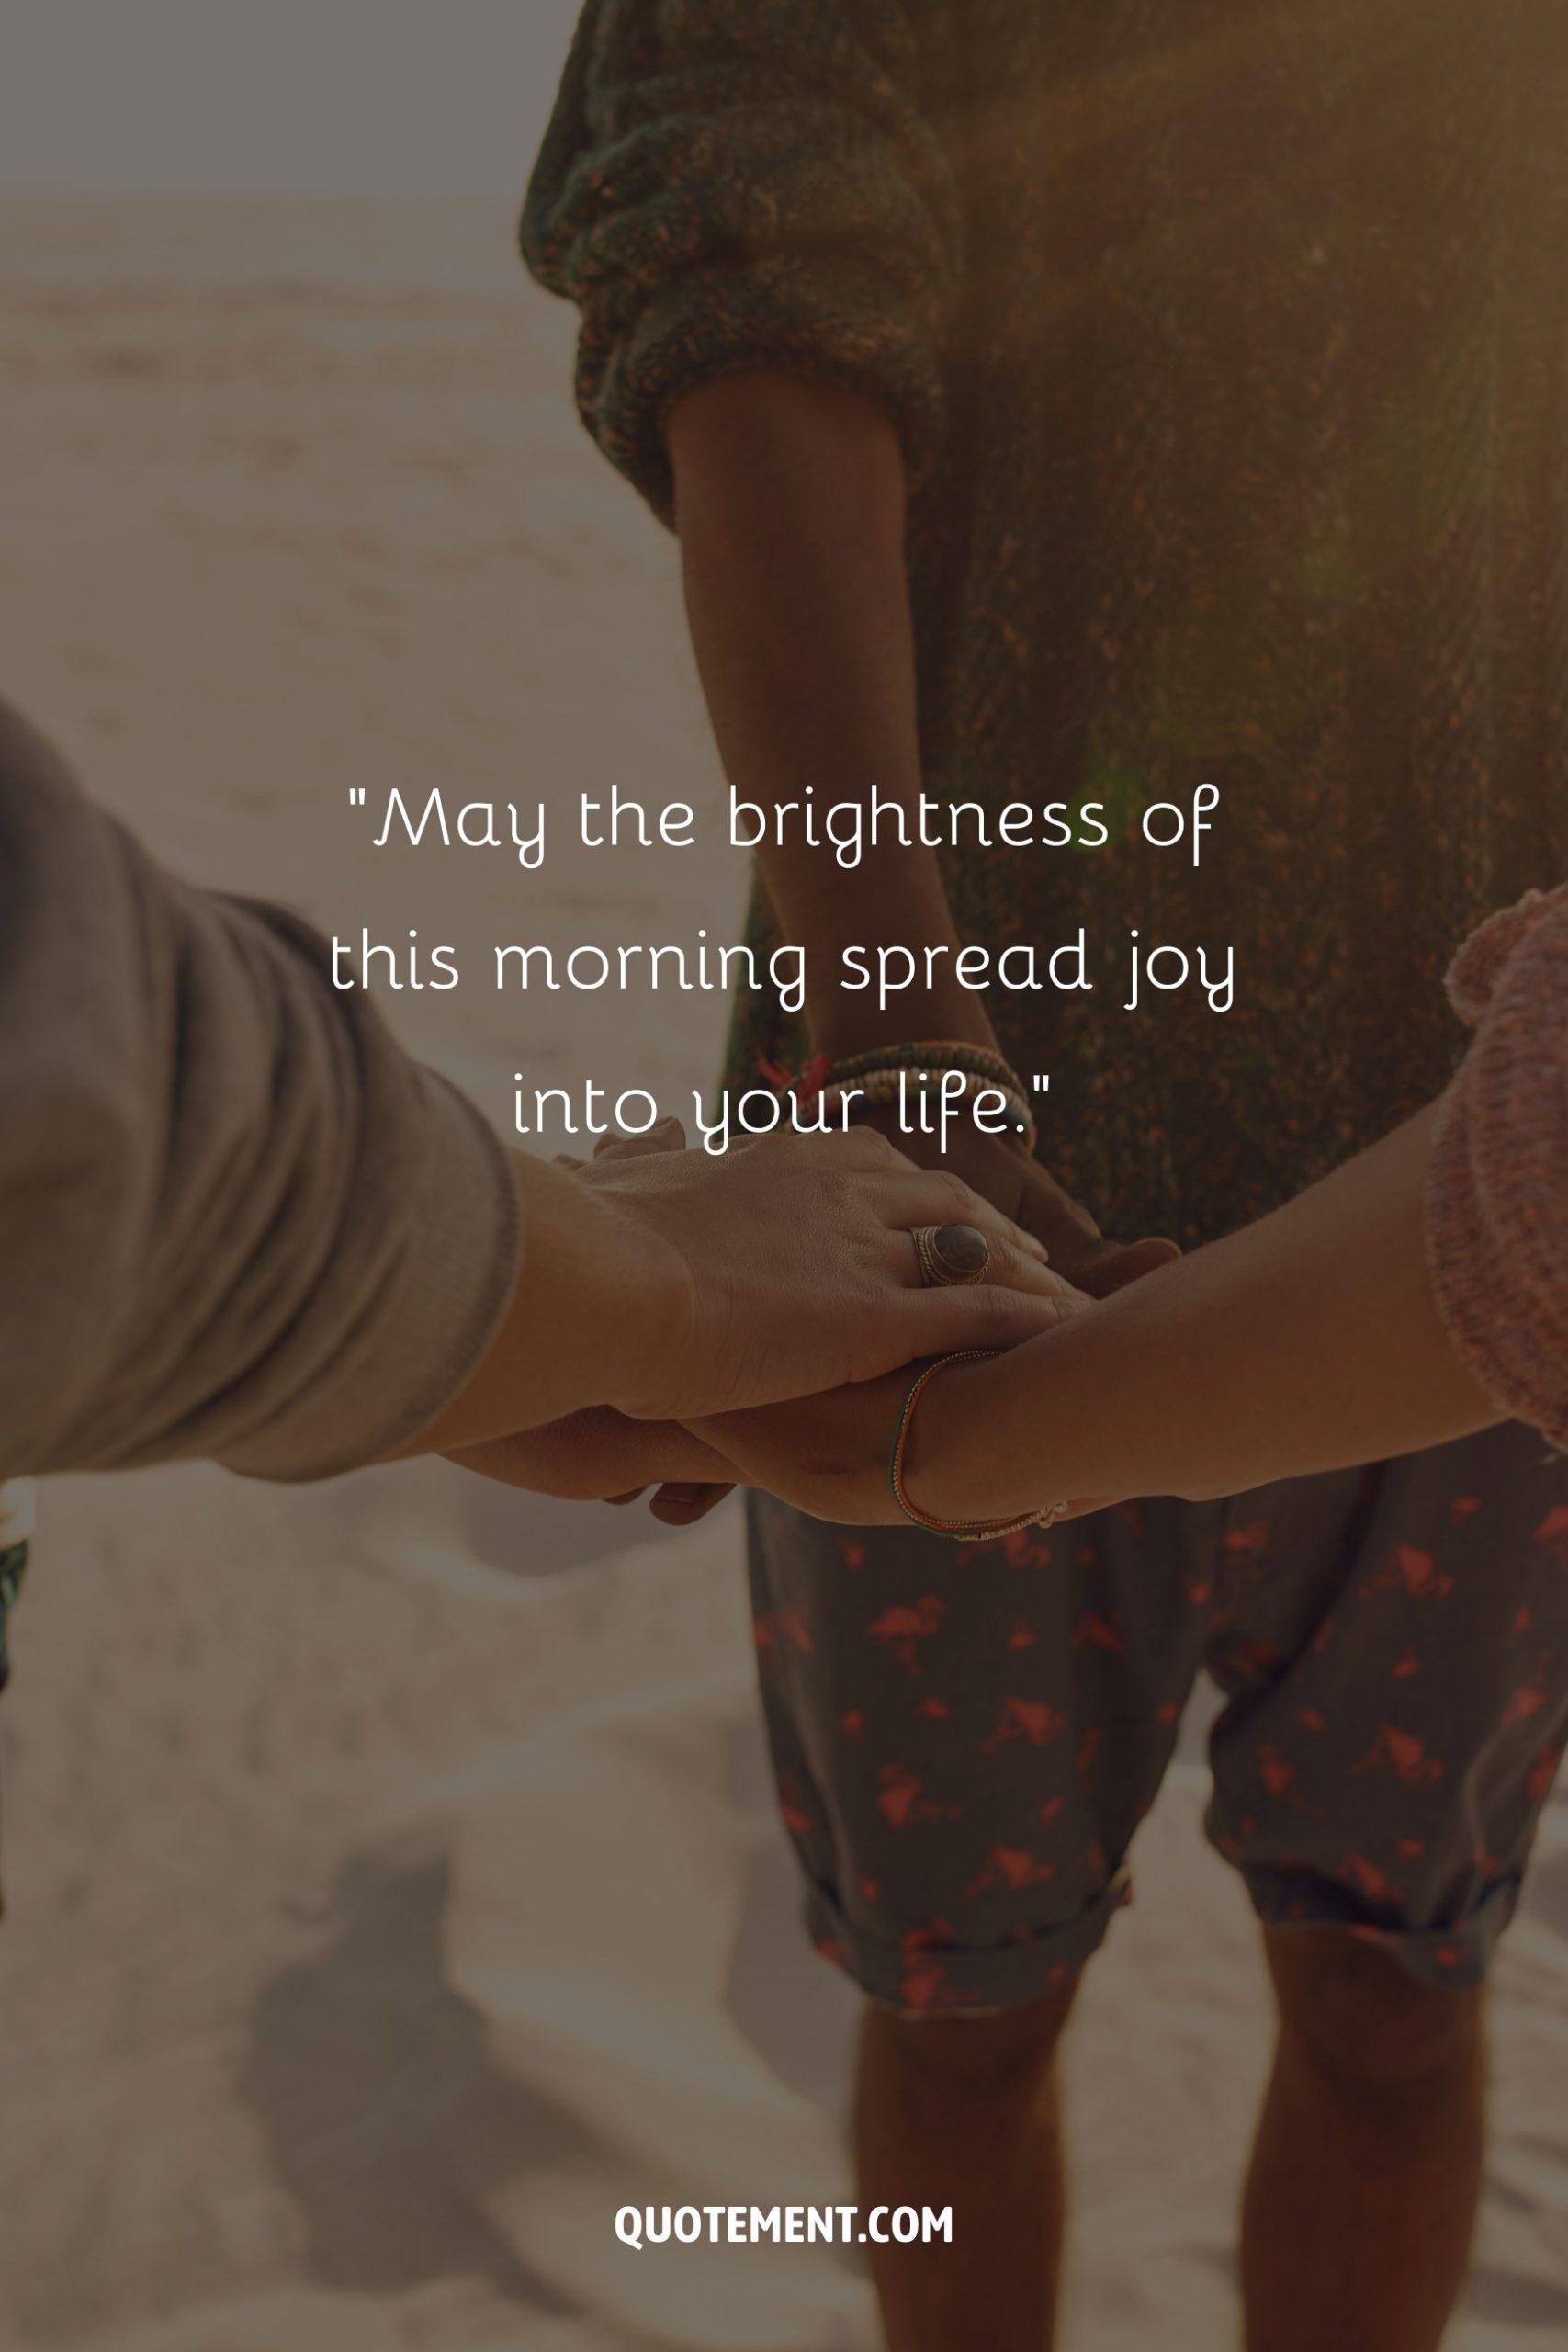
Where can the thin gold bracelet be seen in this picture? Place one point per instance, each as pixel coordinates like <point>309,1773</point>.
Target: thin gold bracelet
<point>959,1531</point>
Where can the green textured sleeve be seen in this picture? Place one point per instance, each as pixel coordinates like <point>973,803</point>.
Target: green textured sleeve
<point>729,185</point>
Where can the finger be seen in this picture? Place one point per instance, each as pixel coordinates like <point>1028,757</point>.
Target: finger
<point>1015,1265</point>
<point>683,1506</point>
<point>1124,1264</point>
<point>669,1135</point>
<point>569,1160</point>
<point>937,1321</point>
<point>936,1196</point>
<point>1012,1264</point>
<point>620,1502</point>
<point>864,1150</point>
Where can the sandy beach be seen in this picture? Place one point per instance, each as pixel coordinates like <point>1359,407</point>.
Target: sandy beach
<point>392,1885</point>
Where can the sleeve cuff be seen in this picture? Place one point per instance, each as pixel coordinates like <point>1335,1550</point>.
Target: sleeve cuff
<point>1498,1191</point>
<point>781,316</point>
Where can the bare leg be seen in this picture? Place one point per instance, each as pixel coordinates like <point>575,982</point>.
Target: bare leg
<point>1366,2173</point>
<point>962,2112</point>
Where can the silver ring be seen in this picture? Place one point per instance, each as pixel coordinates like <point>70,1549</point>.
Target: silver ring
<point>951,1257</point>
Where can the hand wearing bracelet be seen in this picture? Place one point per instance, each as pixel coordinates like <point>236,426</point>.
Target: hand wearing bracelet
<point>959,1531</point>
<point>892,1074</point>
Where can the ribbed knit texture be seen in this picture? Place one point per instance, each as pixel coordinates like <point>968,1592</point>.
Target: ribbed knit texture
<point>1497,1199</point>
<point>1225,338</point>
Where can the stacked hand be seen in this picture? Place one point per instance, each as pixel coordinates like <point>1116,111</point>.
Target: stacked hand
<point>828,1299</point>
<point>1019,1188</point>
<point>793,1270</point>
<point>826,1452</point>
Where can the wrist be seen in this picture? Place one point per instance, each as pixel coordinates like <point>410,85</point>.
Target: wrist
<point>641,1289</point>
<point>945,1470</point>
<point>965,1459</point>
<point>601,1305</point>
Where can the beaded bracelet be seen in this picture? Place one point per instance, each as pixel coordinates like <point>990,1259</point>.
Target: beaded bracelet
<point>959,1531</point>
<point>940,1052</point>
<point>888,1086</point>
<point>948,1053</point>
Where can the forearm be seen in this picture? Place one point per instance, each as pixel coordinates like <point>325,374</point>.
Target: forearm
<point>1306,1342</point>
<point>242,1224</point>
<point>790,502</point>
<point>590,1312</point>
<point>598,1455</point>
<point>790,505</point>
<point>248,1226</point>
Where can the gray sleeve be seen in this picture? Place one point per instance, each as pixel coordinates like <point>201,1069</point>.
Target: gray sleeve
<point>236,1221</point>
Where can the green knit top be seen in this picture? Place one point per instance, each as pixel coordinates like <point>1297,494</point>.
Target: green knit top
<point>1228,341</point>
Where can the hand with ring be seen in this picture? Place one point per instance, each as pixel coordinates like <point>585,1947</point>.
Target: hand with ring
<point>952,1256</point>
<point>796,1267</point>
<point>797,1264</point>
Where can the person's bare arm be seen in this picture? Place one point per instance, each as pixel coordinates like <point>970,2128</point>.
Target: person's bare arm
<point>1306,1342</point>
<point>242,1224</point>
<point>600,1455</point>
<point>665,1283</point>
<point>790,506</point>
<point>790,501</point>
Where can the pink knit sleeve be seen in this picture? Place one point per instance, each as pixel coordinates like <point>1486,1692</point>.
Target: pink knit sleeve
<point>1497,1197</point>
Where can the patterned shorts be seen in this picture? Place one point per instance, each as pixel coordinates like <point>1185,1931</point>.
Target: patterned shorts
<point>964,1741</point>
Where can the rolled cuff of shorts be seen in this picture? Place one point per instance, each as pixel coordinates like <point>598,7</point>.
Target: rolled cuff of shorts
<point>1455,1958</point>
<point>932,1983</point>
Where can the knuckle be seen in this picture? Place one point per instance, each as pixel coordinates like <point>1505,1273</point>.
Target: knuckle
<point>839,1189</point>
<point>993,1301</point>
<point>873,1151</point>
<point>1007,1268</point>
